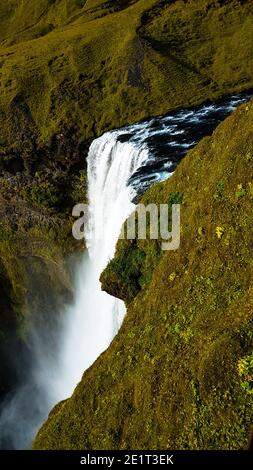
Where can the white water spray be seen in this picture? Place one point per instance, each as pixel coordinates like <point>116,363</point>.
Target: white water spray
<point>88,326</point>
<point>96,316</point>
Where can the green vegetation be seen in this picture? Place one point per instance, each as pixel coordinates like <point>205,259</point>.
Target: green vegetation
<point>45,194</point>
<point>245,369</point>
<point>179,373</point>
<point>69,70</point>
<point>35,246</point>
<point>35,276</point>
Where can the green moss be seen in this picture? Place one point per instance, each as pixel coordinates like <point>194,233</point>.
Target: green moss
<point>245,369</point>
<point>98,65</point>
<point>78,192</point>
<point>35,277</point>
<point>175,198</point>
<point>170,379</point>
<point>127,267</point>
<point>45,195</point>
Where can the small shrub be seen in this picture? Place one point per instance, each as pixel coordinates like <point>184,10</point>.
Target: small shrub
<point>44,194</point>
<point>175,198</point>
<point>245,369</point>
<point>219,190</point>
<point>241,191</point>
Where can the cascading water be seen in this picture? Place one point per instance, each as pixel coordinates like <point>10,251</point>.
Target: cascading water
<point>89,325</point>
<point>121,164</point>
<point>97,314</point>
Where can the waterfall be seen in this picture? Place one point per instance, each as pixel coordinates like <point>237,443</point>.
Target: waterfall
<point>120,164</point>
<point>96,316</point>
<point>86,328</point>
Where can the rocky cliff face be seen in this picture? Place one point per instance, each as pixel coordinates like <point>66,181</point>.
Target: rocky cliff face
<point>179,373</point>
<point>35,280</point>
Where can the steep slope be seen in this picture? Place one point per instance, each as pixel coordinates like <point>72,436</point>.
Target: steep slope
<point>179,374</point>
<point>35,280</point>
<point>69,70</point>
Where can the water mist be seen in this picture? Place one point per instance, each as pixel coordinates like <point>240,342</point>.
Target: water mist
<point>88,326</point>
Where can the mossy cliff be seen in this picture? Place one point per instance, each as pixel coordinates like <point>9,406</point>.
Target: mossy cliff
<point>179,373</point>
<point>69,70</point>
<point>36,247</point>
<point>35,280</point>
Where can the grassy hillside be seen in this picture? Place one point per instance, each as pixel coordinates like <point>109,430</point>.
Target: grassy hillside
<point>73,69</point>
<point>179,373</point>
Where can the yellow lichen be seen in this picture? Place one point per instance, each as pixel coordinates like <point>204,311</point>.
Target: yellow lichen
<point>219,232</point>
